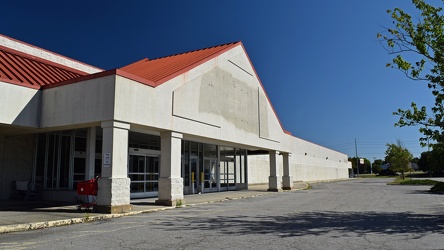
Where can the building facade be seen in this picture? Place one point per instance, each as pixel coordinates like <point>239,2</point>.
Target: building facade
<point>195,122</point>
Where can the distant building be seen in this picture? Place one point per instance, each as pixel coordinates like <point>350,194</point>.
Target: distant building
<point>193,122</point>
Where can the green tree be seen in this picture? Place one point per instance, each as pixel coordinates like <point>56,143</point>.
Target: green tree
<point>376,166</point>
<point>423,162</point>
<point>417,46</point>
<point>436,159</point>
<point>398,157</point>
<point>432,161</point>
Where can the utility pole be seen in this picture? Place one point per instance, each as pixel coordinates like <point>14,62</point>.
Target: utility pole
<point>357,160</point>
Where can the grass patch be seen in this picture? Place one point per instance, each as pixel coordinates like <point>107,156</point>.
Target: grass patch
<point>397,181</point>
<point>179,203</point>
<point>367,175</point>
<point>376,176</point>
<point>419,182</point>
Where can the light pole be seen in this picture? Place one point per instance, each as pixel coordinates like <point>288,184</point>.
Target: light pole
<point>357,160</point>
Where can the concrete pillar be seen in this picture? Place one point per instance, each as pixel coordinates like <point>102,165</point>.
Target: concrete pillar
<point>114,185</point>
<point>274,182</point>
<point>4,184</point>
<point>170,181</point>
<point>287,179</point>
<point>90,153</point>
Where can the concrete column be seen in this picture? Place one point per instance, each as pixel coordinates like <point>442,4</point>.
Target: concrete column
<point>274,182</point>
<point>90,153</point>
<point>218,169</point>
<point>170,181</point>
<point>114,185</point>
<point>4,184</point>
<point>287,179</point>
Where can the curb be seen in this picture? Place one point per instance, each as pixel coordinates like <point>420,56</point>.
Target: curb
<point>58,223</point>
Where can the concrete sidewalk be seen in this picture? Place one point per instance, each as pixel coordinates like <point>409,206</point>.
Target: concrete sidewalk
<point>18,216</point>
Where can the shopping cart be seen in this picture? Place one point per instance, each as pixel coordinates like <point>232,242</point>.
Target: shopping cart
<point>88,188</point>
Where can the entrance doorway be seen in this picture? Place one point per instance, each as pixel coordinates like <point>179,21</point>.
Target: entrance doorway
<point>143,170</point>
<point>209,174</point>
<point>212,168</point>
<point>227,174</point>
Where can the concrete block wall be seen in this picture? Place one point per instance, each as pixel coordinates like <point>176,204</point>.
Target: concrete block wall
<point>311,169</point>
<point>308,162</point>
<point>312,162</point>
<point>259,168</point>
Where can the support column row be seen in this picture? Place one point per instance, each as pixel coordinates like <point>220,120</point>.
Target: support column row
<point>274,182</point>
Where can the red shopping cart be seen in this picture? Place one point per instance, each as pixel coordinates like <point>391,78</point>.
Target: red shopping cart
<point>88,188</point>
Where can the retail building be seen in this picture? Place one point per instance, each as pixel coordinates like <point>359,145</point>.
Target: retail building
<point>195,122</point>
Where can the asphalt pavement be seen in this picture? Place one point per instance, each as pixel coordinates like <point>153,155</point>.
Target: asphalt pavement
<point>361,213</point>
<point>18,216</point>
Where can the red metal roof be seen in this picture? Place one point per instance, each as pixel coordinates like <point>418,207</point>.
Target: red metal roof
<point>162,69</point>
<point>26,70</point>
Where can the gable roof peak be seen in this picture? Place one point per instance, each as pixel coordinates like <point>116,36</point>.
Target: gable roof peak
<point>162,69</point>
<point>193,51</point>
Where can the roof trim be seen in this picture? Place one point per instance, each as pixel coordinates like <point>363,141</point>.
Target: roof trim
<point>49,52</point>
<point>43,60</point>
<point>202,61</point>
<point>20,84</point>
<point>116,72</point>
<point>135,63</point>
<point>31,67</point>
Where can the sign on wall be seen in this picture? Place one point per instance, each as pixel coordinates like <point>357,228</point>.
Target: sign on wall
<point>107,160</point>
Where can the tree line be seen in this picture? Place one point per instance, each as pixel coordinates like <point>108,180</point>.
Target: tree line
<point>398,159</point>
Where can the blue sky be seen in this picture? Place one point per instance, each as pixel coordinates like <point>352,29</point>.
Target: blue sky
<point>319,61</point>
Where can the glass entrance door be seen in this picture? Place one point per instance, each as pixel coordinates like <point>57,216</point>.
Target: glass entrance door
<point>143,170</point>
<point>212,168</point>
<point>227,174</point>
<point>195,181</point>
<point>209,175</point>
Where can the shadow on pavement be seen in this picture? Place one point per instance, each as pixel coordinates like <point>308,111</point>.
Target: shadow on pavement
<point>318,223</point>
<point>34,205</point>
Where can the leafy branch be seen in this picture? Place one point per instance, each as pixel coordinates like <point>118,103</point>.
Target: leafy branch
<point>424,40</point>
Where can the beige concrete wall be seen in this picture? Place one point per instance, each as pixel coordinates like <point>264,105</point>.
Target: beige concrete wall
<point>17,159</point>
<point>19,105</point>
<point>308,162</point>
<point>90,101</point>
<point>220,100</point>
<point>312,162</point>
